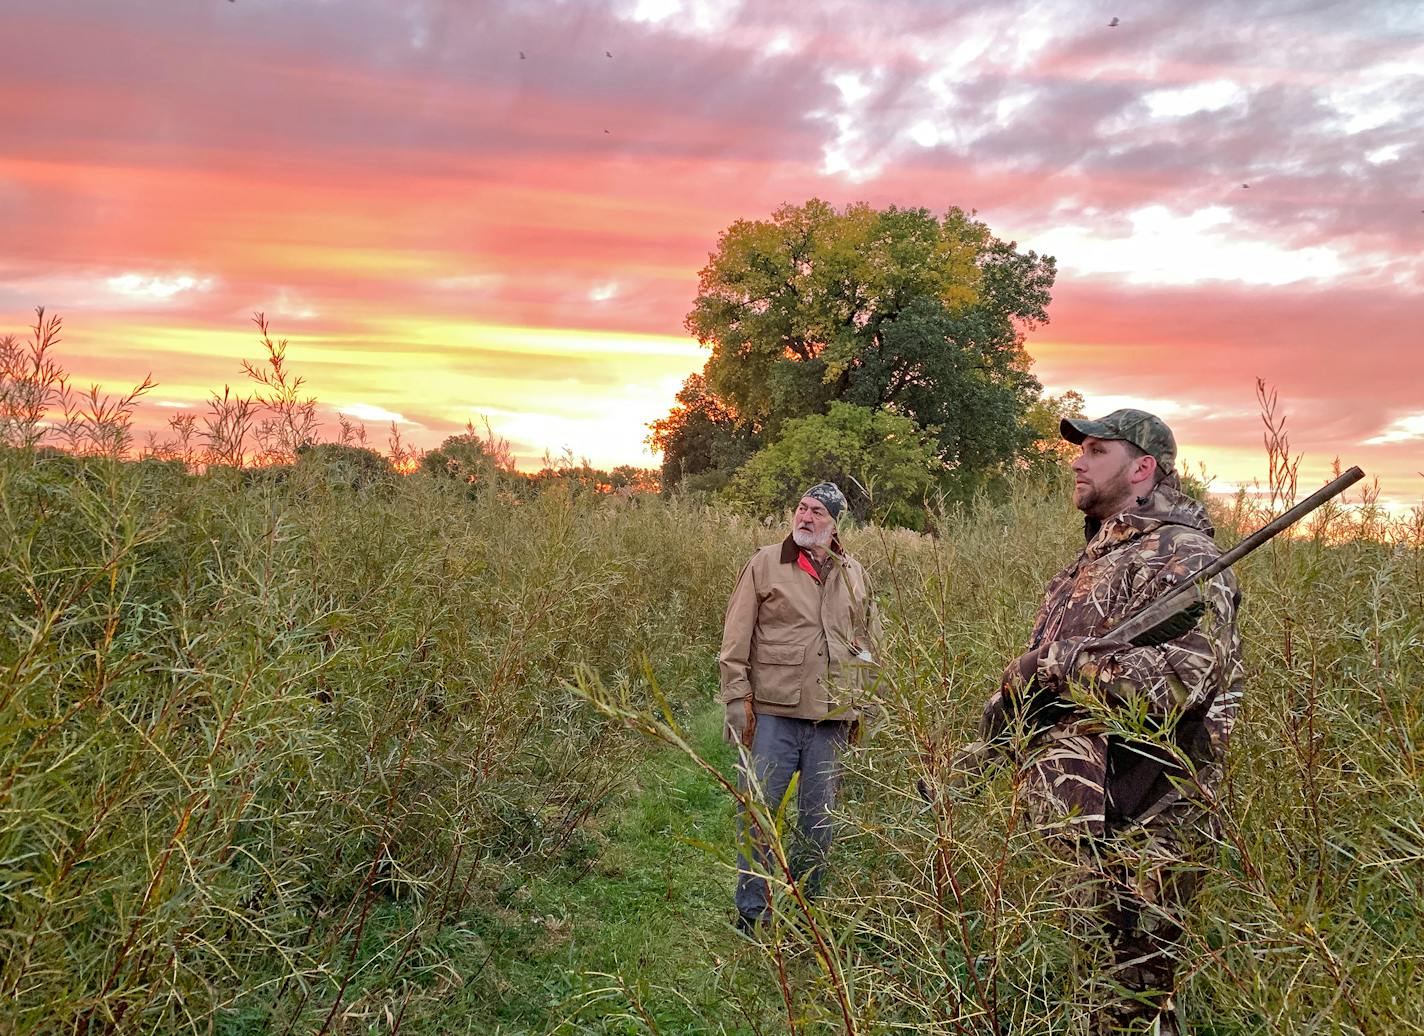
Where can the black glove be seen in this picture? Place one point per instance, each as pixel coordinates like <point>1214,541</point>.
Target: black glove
<point>1173,626</point>
<point>1025,668</point>
<point>1023,697</point>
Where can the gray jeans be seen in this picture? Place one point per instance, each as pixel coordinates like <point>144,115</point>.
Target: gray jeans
<point>781,748</point>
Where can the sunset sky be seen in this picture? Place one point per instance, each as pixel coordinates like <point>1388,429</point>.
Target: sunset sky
<point>460,210</point>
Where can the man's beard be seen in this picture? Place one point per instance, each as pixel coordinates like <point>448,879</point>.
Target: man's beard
<point>1102,501</point>
<point>809,540</point>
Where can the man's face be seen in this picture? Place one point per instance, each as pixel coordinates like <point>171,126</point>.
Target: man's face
<point>1102,477</point>
<point>812,525</point>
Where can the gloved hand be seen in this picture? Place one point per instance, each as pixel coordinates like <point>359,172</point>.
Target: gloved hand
<point>740,725</point>
<point>994,722</point>
<point>1018,678</point>
<point>1022,695</point>
<point>1008,699</point>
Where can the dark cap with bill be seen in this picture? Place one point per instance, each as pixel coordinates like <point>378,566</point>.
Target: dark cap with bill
<point>1148,432</point>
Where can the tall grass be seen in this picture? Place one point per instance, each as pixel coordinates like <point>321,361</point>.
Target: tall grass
<point>952,918</point>
<point>279,749</point>
<point>266,747</point>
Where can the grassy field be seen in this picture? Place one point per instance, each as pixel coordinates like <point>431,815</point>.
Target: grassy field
<point>280,753</point>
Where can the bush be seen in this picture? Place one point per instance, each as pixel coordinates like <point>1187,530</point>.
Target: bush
<point>337,464</point>
<point>259,744</point>
<point>881,460</point>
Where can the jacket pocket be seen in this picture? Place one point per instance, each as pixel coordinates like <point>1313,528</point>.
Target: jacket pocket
<point>776,673</point>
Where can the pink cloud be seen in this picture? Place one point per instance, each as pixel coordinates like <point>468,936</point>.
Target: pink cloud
<point>350,167</point>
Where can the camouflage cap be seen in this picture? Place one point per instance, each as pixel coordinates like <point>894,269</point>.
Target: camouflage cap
<point>829,494</point>
<point>1148,432</point>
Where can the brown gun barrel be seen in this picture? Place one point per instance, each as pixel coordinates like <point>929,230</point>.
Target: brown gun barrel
<point>1186,591</point>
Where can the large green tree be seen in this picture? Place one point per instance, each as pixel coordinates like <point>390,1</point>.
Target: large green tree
<point>892,308</point>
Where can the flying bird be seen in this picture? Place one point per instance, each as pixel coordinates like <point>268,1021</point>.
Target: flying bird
<point>608,53</point>
<point>1113,24</point>
<point>1245,186</point>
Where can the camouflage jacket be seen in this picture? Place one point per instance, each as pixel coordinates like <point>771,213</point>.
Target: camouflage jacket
<point>1085,695</point>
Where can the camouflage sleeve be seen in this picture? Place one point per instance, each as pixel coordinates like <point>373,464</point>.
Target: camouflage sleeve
<point>1172,677</point>
<point>1024,696</point>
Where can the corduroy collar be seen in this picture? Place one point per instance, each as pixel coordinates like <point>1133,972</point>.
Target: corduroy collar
<point>789,549</point>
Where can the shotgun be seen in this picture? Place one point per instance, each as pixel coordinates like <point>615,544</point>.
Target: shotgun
<point>1168,617</point>
<point>1177,611</point>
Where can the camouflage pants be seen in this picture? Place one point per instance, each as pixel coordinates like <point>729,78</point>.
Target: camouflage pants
<point>1127,896</point>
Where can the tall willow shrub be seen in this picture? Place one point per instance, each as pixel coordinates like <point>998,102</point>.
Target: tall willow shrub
<point>951,919</point>
<point>269,744</point>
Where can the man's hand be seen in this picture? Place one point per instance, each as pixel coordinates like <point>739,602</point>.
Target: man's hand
<point>864,726</point>
<point>740,725</point>
<point>1022,696</point>
<point>1018,677</point>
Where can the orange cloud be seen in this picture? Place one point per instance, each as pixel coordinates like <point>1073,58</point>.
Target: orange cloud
<point>416,207</point>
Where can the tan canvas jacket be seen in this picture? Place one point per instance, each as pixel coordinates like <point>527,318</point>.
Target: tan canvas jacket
<point>795,646</point>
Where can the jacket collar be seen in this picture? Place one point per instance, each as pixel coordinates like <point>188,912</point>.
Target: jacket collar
<point>1167,505</point>
<point>789,550</point>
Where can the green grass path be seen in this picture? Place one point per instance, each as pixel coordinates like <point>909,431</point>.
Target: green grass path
<point>637,939</point>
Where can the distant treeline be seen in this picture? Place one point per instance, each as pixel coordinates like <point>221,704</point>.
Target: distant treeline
<point>264,435</point>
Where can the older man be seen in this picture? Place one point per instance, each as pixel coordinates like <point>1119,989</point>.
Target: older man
<point>1125,743</point>
<point>798,644</point>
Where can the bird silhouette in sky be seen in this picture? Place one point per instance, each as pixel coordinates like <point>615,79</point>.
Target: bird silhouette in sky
<point>1245,186</point>
<point>521,55</point>
<point>608,53</point>
<point>1113,24</point>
